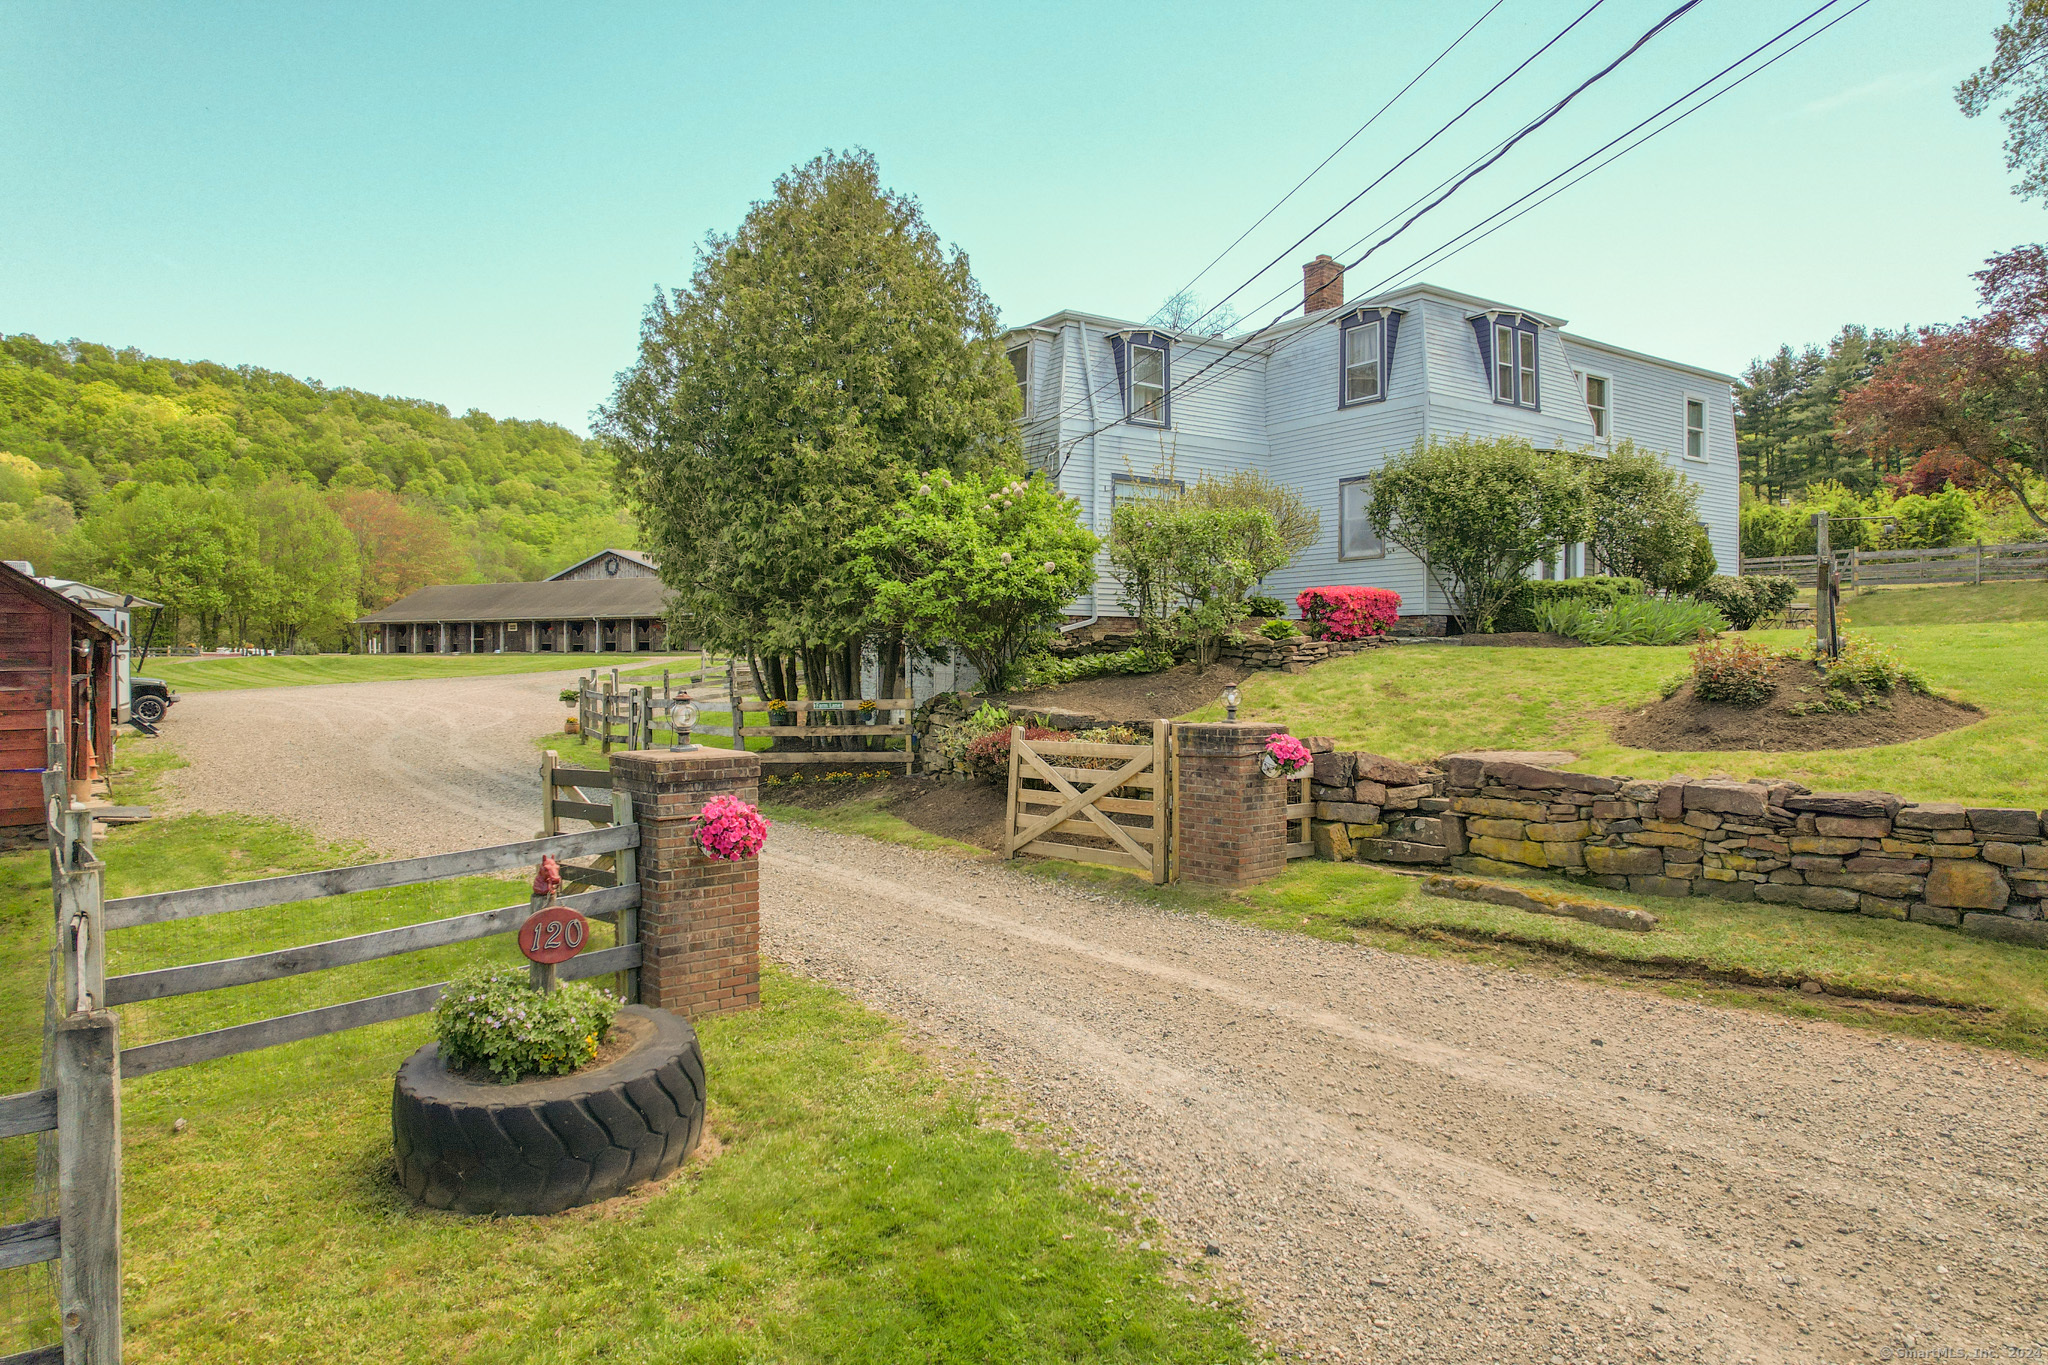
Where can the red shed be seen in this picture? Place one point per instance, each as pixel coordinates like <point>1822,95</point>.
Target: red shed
<point>54,656</point>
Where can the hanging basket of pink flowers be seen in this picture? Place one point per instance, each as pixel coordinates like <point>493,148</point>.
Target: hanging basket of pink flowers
<point>1285,756</point>
<point>730,829</point>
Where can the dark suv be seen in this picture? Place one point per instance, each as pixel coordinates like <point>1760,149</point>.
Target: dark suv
<point>149,699</point>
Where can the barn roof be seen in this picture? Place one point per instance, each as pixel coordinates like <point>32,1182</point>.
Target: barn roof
<point>633,556</point>
<point>576,599</point>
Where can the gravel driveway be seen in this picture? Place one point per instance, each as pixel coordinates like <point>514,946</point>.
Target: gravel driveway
<point>1400,1158</point>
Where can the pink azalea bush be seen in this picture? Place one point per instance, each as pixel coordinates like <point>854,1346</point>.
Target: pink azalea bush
<point>1348,613</point>
<point>731,829</point>
<point>1289,754</point>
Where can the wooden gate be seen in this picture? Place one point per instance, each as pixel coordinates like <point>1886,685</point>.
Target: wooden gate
<point>1092,803</point>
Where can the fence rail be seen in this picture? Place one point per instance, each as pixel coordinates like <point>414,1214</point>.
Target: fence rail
<point>1977,563</point>
<point>1051,805</point>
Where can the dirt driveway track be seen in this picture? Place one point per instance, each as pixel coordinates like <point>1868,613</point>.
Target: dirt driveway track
<point>1400,1158</point>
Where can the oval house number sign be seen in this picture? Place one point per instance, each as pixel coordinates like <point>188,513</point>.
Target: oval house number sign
<point>553,935</point>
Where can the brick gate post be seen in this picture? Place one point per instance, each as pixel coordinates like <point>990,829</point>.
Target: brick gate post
<point>700,917</point>
<point>1233,820</point>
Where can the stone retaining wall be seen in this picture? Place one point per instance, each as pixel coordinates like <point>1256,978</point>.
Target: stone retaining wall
<point>1291,656</point>
<point>1983,869</point>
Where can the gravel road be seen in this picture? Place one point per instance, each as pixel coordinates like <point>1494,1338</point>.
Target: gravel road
<point>1399,1158</point>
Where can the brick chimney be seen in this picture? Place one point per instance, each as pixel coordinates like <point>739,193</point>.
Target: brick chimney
<point>1322,285</point>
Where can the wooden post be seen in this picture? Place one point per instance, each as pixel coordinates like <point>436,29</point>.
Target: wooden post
<point>89,1187</point>
<point>1010,807</point>
<point>626,866</point>
<point>1828,642</point>
<point>739,716</point>
<point>549,826</point>
<point>1162,797</point>
<point>1173,760</point>
<point>1980,564</point>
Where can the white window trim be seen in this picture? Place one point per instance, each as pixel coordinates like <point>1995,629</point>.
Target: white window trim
<point>1378,327</point>
<point>1528,387</point>
<point>1508,330</point>
<point>1343,558</point>
<point>1603,437</point>
<point>1137,408</point>
<point>1685,429</point>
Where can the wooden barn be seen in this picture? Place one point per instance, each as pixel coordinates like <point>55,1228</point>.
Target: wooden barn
<point>55,655</point>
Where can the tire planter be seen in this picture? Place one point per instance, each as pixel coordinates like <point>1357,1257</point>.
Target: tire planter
<point>551,1142</point>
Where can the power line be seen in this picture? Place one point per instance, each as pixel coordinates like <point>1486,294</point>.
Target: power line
<point>1527,130</point>
<point>1279,203</point>
<point>1417,150</point>
<point>1453,246</point>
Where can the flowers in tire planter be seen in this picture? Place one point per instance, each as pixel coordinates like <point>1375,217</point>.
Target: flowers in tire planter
<point>491,1017</point>
<point>1285,756</point>
<point>730,829</point>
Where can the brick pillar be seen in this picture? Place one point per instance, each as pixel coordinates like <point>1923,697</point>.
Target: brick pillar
<point>1233,822</point>
<point>700,918</point>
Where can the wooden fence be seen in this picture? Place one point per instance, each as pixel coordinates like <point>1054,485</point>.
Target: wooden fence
<point>625,716</point>
<point>86,1063</point>
<point>1060,811</point>
<point>1299,809</point>
<point>1977,563</point>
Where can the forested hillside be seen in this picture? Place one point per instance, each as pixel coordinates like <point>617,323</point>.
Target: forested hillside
<point>269,509</point>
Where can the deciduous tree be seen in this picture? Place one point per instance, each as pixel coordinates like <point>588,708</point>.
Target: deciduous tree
<point>1478,512</point>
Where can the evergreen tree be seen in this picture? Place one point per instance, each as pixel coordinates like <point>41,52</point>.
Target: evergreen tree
<point>824,355</point>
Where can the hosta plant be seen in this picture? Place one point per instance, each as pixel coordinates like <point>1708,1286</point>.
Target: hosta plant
<point>491,1018</point>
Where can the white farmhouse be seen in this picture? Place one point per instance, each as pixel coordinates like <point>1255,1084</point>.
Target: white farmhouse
<point>1118,410</point>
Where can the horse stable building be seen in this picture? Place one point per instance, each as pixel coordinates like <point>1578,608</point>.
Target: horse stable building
<point>611,603</point>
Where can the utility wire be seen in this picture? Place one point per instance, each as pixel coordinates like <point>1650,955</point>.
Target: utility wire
<point>1526,131</point>
<point>1453,246</point>
<point>1416,151</point>
<point>1281,202</point>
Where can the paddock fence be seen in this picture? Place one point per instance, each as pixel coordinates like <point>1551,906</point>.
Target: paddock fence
<point>1973,564</point>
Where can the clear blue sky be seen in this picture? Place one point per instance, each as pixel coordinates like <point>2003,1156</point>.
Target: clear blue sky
<point>473,204</point>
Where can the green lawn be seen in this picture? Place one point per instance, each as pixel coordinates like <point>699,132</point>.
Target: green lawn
<point>854,1202</point>
<point>300,670</point>
<point>1418,702</point>
<point>1889,974</point>
<point>1945,605</point>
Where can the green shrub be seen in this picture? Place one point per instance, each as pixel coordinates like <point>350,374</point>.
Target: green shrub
<point>1263,605</point>
<point>1732,671</point>
<point>1279,630</point>
<point>1866,664</point>
<point>1631,621</point>
<point>491,1017</point>
<point>1746,601</point>
<point>1043,670</point>
<point>1519,614</point>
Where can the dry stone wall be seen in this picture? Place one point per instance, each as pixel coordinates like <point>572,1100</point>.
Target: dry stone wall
<point>1983,869</point>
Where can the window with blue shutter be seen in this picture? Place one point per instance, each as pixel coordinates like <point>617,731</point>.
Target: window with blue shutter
<point>1144,371</point>
<point>1508,354</point>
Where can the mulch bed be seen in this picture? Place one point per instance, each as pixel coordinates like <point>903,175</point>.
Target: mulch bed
<point>1681,723</point>
<point>1145,697</point>
<point>1523,639</point>
<point>960,808</point>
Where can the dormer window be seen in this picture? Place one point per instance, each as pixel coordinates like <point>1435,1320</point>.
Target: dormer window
<point>1362,350</point>
<point>1144,370</point>
<point>1020,363</point>
<point>1148,384</point>
<point>1365,354</point>
<point>1507,348</point>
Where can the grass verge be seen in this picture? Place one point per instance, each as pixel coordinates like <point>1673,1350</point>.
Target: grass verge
<point>1910,978</point>
<point>1418,702</point>
<point>1945,605</point>
<point>854,1202</point>
<point>303,670</point>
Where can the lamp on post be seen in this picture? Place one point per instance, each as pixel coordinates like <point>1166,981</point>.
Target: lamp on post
<point>1230,702</point>
<point>682,714</point>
